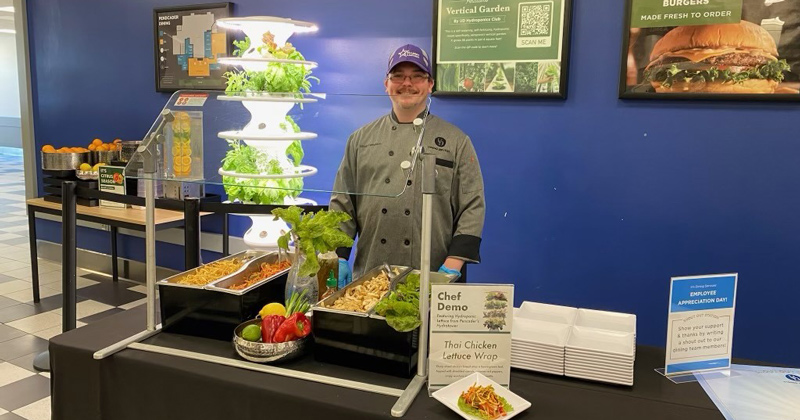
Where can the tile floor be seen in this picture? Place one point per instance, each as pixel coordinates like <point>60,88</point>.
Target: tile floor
<point>25,327</point>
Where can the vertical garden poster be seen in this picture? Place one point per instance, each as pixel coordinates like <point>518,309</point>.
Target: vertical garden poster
<point>501,47</point>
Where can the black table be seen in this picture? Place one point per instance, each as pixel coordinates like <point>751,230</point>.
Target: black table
<point>134,384</point>
<point>114,218</point>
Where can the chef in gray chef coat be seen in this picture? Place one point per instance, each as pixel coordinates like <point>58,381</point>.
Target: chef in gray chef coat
<point>388,226</point>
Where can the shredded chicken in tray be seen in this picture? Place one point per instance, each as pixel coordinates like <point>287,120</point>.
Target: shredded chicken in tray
<point>363,297</point>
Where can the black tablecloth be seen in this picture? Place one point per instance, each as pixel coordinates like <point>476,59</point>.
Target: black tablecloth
<point>140,385</point>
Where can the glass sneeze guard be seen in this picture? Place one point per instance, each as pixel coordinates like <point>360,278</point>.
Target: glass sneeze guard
<point>272,148</point>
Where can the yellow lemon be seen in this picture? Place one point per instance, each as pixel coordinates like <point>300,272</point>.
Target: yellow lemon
<point>85,167</point>
<point>273,308</point>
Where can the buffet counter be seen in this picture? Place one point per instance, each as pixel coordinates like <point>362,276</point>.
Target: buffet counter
<point>135,384</point>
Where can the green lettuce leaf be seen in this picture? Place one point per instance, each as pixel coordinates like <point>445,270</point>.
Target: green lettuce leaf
<point>463,406</point>
<point>667,76</point>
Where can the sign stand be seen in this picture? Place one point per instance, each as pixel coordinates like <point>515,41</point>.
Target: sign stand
<point>700,327</point>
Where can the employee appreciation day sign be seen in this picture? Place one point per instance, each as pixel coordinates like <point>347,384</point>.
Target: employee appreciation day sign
<point>700,329</point>
<point>712,48</point>
<point>470,332</point>
<point>501,46</point>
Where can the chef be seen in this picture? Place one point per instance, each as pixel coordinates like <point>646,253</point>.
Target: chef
<point>373,184</point>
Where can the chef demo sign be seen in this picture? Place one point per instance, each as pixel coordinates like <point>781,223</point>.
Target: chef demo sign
<point>470,332</point>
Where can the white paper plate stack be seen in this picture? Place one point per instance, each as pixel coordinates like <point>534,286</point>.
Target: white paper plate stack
<point>539,335</point>
<point>582,343</point>
<point>538,345</point>
<point>600,355</point>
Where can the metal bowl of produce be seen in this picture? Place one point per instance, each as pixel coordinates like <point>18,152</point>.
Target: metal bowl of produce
<point>106,156</point>
<point>266,352</point>
<point>54,161</point>
<point>128,148</point>
<point>86,175</point>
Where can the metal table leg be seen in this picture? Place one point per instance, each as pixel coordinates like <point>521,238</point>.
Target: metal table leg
<point>114,269</point>
<point>34,253</point>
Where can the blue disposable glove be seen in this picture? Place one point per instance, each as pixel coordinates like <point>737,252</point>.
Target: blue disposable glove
<point>446,270</point>
<point>345,274</point>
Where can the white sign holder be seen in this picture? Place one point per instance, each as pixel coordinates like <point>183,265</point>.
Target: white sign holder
<point>700,326</point>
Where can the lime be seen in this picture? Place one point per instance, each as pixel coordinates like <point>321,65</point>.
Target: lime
<point>273,308</point>
<point>251,333</point>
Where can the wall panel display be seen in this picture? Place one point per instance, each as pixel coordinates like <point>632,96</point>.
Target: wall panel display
<point>712,49</point>
<point>188,45</point>
<point>501,47</point>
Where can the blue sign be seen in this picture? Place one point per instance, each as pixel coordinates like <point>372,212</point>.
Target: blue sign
<point>703,293</point>
<point>793,378</point>
<point>700,327</point>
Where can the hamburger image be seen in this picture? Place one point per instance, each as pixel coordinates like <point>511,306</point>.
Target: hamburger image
<point>735,58</point>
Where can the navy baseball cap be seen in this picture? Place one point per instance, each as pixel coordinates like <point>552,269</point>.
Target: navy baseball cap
<point>410,54</point>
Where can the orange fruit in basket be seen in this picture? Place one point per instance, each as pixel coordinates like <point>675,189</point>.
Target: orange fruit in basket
<point>48,148</point>
<point>97,142</point>
<point>102,148</point>
<point>93,147</point>
<point>117,141</point>
<point>64,150</point>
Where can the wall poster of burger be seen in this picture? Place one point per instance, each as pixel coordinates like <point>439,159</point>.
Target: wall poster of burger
<point>720,49</point>
<point>501,47</point>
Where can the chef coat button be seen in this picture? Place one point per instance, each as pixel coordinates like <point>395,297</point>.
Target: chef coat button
<point>408,183</point>
<point>407,242</point>
<point>383,241</point>
<point>386,180</point>
<point>391,153</point>
<point>383,211</point>
<point>394,127</point>
<point>408,212</point>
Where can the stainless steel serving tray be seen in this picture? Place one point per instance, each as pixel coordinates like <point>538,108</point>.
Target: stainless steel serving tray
<point>322,305</point>
<point>240,276</point>
<point>435,278</point>
<point>246,256</point>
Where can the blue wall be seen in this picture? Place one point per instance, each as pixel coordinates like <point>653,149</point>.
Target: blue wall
<point>592,201</point>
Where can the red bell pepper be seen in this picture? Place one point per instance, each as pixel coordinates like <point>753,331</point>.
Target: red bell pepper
<point>269,325</point>
<point>296,326</point>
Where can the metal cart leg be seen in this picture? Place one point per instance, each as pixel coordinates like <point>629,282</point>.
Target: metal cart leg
<point>114,268</point>
<point>34,253</point>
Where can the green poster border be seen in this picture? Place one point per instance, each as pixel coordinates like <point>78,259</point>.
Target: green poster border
<point>734,97</point>
<point>565,49</point>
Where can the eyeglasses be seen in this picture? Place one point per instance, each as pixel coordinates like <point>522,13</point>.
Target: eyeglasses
<point>415,78</point>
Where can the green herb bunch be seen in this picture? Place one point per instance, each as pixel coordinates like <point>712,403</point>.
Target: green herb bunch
<point>314,233</point>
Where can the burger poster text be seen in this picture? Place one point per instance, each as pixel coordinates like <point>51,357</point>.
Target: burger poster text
<point>726,49</point>
<point>502,47</point>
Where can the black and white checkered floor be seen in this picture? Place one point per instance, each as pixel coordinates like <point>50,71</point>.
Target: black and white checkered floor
<point>25,327</point>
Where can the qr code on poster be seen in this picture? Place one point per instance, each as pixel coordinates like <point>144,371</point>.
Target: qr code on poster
<point>535,19</point>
